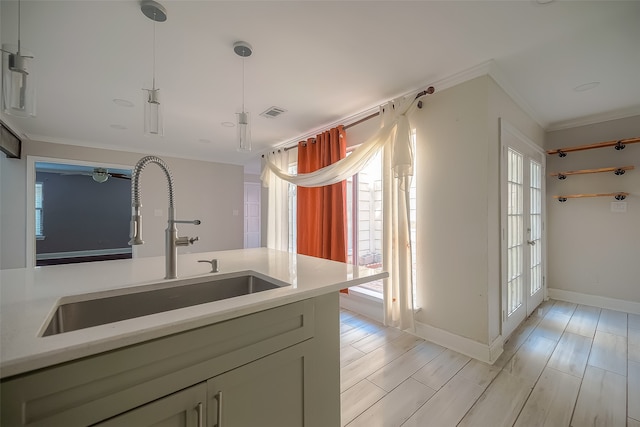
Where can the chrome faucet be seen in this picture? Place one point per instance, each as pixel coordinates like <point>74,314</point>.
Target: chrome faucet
<point>172,241</point>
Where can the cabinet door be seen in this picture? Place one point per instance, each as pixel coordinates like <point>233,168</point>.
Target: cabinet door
<point>267,392</point>
<point>185,408</point>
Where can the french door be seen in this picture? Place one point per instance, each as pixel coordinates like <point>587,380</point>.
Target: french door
<point>523,195</point>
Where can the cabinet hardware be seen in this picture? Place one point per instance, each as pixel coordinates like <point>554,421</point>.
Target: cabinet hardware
<point>200,415</point>
<point>218,398</point>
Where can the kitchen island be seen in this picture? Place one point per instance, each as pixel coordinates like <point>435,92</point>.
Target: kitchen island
<point>274,355</point>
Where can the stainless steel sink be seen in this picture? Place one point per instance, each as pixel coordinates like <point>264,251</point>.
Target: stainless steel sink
<point>99,311</point>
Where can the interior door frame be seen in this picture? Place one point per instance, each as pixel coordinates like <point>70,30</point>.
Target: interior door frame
<point>507,128</point>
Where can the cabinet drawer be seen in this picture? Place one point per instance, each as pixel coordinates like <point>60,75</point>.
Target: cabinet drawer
<point>92,389</point>
<point>184,408</point>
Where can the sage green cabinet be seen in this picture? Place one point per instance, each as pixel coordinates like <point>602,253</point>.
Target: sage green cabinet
<point>277,367</point>
<point>185,408</point>
<point>268,392</point>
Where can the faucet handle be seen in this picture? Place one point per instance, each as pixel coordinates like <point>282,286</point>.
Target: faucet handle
<point>186,241</point>
<point>182,221</point>
<point>214,264</point>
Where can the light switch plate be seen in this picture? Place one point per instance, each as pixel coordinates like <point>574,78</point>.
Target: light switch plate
<point>619,207</point>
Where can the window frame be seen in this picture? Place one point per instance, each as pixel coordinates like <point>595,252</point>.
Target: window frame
<point>39,218</point>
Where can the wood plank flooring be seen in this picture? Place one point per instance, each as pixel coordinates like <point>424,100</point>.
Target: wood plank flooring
<point>566,365</point>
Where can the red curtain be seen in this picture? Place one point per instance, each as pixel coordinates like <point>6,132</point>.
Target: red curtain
<point>322,211</point>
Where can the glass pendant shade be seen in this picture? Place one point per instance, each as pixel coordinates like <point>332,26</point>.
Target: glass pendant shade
<point>18,92</point>
<point>153,124</point>
<point>244,131</point>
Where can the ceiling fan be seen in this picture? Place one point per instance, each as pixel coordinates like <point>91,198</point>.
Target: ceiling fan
<point>100,175</point>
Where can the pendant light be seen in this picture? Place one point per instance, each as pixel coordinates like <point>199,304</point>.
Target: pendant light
<point>153,123</point>
<point>18,92</point>
<point>243,49</point>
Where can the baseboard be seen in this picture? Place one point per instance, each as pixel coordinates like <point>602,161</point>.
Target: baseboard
<point>483,352</point>
<point>363,304</point>
<point>595,301</point>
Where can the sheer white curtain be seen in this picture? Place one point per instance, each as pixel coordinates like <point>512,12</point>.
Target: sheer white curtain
<point>338,171</point>
<point>394,138</point>
<point>397,167</point>
<point>278,203</point>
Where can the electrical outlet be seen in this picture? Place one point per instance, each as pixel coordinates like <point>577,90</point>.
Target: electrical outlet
<point>619,207</point>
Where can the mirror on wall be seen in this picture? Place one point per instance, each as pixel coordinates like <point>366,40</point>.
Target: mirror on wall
<point>81,213</point>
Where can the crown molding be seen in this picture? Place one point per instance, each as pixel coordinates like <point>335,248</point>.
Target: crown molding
<point>502,81</point>
<point>595,118</point>
<point>133,150</point>
<point>465,75</point>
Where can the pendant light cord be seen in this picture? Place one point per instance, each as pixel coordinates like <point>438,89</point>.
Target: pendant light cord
<point>243,84</point>
<point>154,51</point>
<point>18,27</point>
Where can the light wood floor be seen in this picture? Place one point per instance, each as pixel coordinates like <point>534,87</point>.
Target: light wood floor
<point>566,365</point>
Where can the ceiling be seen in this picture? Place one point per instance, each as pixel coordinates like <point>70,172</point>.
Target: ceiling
<point>321,61</point>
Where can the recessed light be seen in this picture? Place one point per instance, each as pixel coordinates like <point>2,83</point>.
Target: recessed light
<point>586,86</point>
<point>122,102</point>
<point>228,124</point>
<point>204,141</point>
<point>119,127</point>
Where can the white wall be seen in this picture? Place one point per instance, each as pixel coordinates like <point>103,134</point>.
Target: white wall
<point>207,191</point>
<point>458,192</point>
<point>452,209</point>
<point>591,249</point>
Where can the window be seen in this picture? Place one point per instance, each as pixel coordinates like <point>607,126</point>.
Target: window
<point>368,215</point>
<point>39,209</point>
<point>364,220</point>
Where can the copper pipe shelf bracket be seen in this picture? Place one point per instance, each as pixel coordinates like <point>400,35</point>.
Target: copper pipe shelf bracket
<point>617,196</point>
<point>617,144</point>
<point>616,170</point>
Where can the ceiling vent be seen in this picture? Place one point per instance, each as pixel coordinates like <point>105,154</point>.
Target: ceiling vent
<point>273,112</point>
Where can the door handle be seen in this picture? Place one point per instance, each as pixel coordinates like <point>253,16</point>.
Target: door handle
<point>531,242</point>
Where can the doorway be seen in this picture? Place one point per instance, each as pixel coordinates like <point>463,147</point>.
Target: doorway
<point>77,211</point>
<point>523,243</point>
<point>252,229</point>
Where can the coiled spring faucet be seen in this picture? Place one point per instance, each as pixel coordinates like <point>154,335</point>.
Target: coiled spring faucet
<point>172,241</point>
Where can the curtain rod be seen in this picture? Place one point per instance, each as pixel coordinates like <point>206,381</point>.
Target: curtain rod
<point>428,91</point>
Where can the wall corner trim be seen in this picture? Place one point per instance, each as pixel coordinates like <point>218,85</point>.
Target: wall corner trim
<point>362,304</point>
<point>595,301</point>
<point>367,307</point>
<point>477,350</point>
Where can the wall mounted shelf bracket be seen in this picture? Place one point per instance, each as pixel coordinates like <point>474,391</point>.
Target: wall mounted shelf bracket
<point>617,196</point>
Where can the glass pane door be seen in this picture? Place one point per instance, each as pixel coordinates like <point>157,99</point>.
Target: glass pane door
<point>523,229</point>
<point>535,228</point>
<point>515,224</point>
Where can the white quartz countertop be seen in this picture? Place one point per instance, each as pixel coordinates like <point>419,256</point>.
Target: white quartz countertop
<point>29,297</point>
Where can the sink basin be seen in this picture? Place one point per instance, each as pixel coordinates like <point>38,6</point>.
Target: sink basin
<point>99,311</point>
